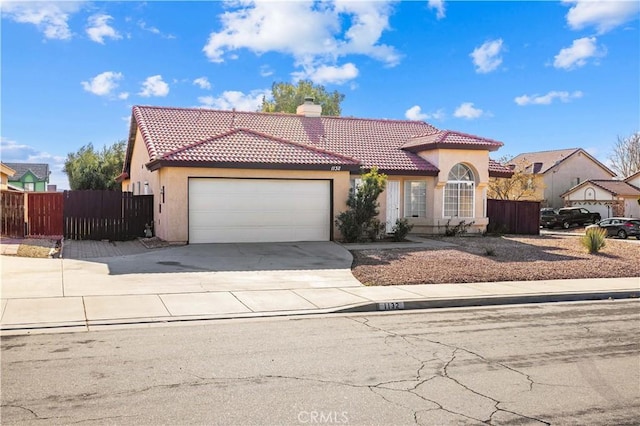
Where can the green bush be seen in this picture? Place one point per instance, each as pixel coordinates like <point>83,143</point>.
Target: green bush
<point>594,239</point>
<point>401,229</point>
<point>459,229</point>
<point>360,223</point>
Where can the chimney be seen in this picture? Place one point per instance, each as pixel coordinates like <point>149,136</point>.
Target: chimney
<point>309,109</point>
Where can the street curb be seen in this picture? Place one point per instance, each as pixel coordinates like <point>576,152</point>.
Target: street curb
<point>489,301</point>
<point>395,305</point>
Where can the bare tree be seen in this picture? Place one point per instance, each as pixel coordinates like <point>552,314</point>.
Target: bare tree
<point>625,156</point>
<point>523,185</point>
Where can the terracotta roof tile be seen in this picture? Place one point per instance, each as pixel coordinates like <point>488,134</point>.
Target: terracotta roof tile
<point>172,133</point>
<point>498,170</point>
<point>449,139</point>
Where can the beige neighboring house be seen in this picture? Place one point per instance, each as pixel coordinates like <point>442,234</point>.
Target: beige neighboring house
<point>555,172</point>
<point>231,176</point>
<point>5,173</point>
<point>610,198</point>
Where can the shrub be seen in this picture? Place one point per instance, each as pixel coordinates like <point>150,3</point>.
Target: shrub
<point>459,229</point>
<point>489,251</point>
<point>594,239</point>
<point>401,229</point>
<point>360,221</point>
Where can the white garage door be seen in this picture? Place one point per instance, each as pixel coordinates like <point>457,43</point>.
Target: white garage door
<point>258,210</point>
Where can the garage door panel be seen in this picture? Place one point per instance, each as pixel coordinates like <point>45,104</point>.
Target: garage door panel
<point>258,210</point>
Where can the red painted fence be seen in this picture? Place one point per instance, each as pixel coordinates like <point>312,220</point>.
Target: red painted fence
<point>44,210</point>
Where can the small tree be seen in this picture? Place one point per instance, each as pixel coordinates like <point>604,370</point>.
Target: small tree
<point>520,186</point>
<point>625,157</point>
<point>287,97</point>
<point>91,169</point>
<point>360,221</point>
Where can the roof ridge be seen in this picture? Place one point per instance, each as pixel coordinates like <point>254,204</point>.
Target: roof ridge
<point>284,114</point>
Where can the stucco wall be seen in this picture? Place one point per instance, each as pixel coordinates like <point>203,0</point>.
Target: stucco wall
<point>562,177</point>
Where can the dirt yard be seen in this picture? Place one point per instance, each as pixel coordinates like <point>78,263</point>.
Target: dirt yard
<point>506,258</point>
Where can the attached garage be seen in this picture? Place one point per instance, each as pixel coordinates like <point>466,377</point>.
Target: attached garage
<point>259,210</point>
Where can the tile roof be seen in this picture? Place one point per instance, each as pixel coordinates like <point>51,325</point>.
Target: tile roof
<point>247,146</point>
<point>449,139</point>
<point>202,135</point>
<point>542,161</point>
<point>616,187</point>
<point>499,170</point>
<point>40,170</point>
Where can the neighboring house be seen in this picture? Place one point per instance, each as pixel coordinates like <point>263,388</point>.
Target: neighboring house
<point>555,172</point>
<point>230,176</point>
<point>6,172</point>
<point>608,197</point>
<point>30,177</point>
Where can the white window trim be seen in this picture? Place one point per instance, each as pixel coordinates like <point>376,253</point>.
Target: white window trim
<point>459,182</point>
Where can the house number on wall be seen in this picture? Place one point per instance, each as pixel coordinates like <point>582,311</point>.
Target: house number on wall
<point>390,306</point>
<point>336,168</point>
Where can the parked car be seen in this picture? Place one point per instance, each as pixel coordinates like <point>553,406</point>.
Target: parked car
<point>622,227</point>
<point>568,216</point>
<point>547,211</point>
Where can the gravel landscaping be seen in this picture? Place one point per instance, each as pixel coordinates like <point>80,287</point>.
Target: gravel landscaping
<point>505,258</point>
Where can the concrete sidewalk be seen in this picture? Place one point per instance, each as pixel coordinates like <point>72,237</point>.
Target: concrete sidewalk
<point>71,294</point>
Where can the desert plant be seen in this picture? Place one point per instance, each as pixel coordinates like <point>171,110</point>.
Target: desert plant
<point>359,222</point>
<point>489,251</point>
<point>401,229</point>
<point>594,239</point>
<point>457,230</point>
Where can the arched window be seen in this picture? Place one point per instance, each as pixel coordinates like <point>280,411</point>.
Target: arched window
<point>459,192</point>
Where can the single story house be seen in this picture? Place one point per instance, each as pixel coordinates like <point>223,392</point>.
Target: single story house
<point>610,198</point>
<point>555,172</point>
<point>232,176</point>
<point>30,177</point>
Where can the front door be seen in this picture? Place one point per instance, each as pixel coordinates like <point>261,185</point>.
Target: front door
<point>393,204</point>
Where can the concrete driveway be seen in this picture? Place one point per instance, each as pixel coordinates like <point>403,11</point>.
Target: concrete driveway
<point>183,269</point>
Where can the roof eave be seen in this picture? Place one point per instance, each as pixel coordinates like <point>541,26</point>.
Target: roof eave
<point>452,145</point>
<point>158,164</point>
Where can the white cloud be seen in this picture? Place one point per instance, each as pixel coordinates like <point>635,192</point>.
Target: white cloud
<point>438,5</point>
<point>12,151</point>
<point>103,84</point>
<point>547,99</point>
<point>98,28</point>
<point>143,25</point>
<point>154,86</point>
<point>52,18</point>
<point>123,95</point>
<point>266,71</point>
<point>604,15</point>
<point>468,111</point>
<point>311,32</point>
<point>415,113</point>
<point>202,82</point>
<point>487,57</point>
<point>233,99</point>
<point>577,55</point>
<point>324,74</point>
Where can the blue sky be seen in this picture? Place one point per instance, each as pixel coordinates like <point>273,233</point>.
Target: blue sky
<point>537,75</point>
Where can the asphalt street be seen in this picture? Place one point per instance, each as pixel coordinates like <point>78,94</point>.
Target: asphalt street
<point>562,363</point>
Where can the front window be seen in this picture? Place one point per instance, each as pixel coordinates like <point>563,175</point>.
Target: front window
<point>29,186</point>
<point>415,199</point>
<point>459,192</point>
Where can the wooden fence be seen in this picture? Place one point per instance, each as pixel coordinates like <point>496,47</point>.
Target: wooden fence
<point>514,217</point>
<point>78,215</point>
<point>106,215</point>
<point>12,218</point>
<point>44,214</point>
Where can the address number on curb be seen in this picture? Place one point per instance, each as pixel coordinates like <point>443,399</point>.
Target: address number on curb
<point>390,306</point>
